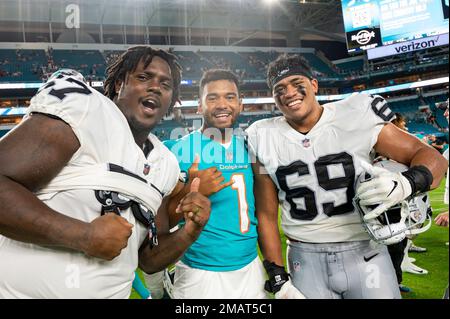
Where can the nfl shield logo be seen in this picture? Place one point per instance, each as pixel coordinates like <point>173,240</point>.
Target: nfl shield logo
<point>306,142</point>
<point>296,266</point>
<point>146,169</point>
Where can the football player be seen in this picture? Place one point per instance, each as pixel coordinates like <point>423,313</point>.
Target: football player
<point>223,262</point>
<point>308,161</point>
<point>442,218</point>
<point>81,181</point>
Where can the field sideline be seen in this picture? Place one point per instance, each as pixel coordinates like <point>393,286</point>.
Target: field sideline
<point>435,260</point>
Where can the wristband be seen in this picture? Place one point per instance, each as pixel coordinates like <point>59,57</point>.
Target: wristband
<point>420,179</point>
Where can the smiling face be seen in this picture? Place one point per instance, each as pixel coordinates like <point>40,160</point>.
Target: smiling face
<point>145,95</point>
<point>220,104</point>
<point>295,97</point>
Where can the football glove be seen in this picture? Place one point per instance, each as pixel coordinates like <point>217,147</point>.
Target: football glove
<point>279,282</point>
<point>384,189</point>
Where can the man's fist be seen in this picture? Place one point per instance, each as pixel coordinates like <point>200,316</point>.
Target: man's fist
<point>106,236</point>
<point>195,207</point>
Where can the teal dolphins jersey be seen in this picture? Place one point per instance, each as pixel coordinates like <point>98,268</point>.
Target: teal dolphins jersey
<point>228,241</point>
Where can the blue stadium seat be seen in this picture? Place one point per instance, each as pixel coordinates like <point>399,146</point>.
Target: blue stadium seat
<point>21,65</point>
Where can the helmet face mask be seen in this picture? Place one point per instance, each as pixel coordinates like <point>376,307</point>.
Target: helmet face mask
<point>404,219</point>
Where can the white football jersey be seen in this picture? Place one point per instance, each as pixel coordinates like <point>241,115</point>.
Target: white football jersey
<point>32,271</point>
<point>315,173</point>
<point>164,169</point>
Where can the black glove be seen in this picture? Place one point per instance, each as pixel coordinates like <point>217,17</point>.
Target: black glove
<point>277,276</point>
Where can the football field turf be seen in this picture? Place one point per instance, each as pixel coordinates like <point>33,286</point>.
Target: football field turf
<point>435,260</point>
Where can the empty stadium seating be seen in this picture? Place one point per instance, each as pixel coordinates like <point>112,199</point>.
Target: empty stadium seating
<point>89,63</point>
<point>21,65</point>
<point>349,67</point>
<point>92,63</point>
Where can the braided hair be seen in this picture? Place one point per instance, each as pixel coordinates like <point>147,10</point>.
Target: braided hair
<point>128,62</point>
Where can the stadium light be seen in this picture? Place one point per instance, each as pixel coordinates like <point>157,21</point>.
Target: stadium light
<point>270,2</point>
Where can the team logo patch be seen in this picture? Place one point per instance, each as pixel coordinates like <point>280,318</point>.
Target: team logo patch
<point>146,169</point>
<point>306,142</point>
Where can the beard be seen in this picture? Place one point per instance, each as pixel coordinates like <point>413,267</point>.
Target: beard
<point>138,128</point>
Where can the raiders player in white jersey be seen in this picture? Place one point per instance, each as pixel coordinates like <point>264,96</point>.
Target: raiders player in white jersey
<point>78,194</point>
<point>308,161</point>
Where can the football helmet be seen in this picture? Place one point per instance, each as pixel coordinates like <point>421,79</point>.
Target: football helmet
<point>407,218</point>
<point>69,73</point>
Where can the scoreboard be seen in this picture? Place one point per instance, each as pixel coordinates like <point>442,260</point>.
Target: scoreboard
<point>374,23</point>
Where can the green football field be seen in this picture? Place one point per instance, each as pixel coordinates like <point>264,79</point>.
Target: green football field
<point>435,260</point>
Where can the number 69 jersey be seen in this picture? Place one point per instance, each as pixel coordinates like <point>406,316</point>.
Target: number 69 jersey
<point>315,173</point>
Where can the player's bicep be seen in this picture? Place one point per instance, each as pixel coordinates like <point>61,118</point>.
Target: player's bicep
<point>266,195</point>
<point>36,151</point>
<point>397,144</point>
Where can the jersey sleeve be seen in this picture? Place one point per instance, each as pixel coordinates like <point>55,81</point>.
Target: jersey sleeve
<point>64,97</point>
<point>376,114</point>
<point>251,139</point>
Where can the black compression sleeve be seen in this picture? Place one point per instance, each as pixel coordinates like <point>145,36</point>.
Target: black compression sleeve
<point>420,179</point>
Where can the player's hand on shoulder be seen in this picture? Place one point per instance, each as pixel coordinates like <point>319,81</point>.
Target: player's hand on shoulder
<point>196,208</point>
<point>106,236</point>
<point>212,179</point>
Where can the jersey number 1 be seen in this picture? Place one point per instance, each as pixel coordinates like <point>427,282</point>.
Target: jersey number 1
<point>239,186</point>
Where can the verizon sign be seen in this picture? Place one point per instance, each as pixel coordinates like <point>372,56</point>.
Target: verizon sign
<point>409,46</point>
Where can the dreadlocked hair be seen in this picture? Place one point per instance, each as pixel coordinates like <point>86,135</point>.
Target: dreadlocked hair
<point>128,62</point>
